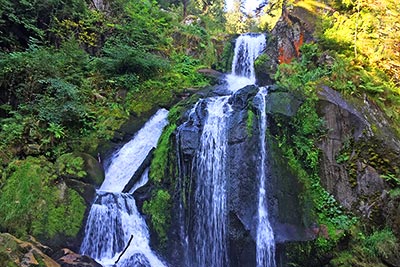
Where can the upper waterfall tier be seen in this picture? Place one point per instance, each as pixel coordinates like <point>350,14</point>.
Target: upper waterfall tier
<point>247,48</point>
<point>131,155</point>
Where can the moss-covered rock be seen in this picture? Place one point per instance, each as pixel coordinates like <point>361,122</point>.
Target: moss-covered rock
<point>80,166</point>
<point>283,103</point>
<point>34,201</point>
<point>359,164</point>
<point>17,253</point>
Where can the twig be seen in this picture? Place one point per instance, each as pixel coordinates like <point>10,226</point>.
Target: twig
<point>129,242</point>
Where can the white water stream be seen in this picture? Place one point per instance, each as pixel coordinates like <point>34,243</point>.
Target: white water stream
<point>114,217</point>
<point>265,250</point>
<point>210,226</point>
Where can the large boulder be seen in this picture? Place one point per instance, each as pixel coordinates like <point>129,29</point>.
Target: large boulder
<point>283,103</point>
<point>67,258</point>
<point>15,252</point>
<point>360,155</point>
<point>283,45</point>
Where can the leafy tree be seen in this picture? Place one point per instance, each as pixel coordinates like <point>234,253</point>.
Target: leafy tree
<point>22,21</point>
<point>236,19</point>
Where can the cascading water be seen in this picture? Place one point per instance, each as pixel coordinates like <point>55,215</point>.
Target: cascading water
<point>210,196</point>
<point>114,220</point>
<point>265,250</point>
<point>209,240</point>
<point>247,48</point>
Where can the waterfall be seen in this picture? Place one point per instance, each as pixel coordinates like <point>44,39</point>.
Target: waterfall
<point>209,239</point>
<point>114,217</point>
<point>247,48</point>
<point>265,244</point>
<point>210,196</point>
<point>127,160</point>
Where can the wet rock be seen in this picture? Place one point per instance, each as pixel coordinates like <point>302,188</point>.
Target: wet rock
<point>214,76</point>
<point>189,138</point>
<point>15,252</point>
<point>343,122</point>
<point>68,258</point>
<point>222,90</point>
<point>242,246</point>
<point>139,172</point>
<point>282,103</point>
<point>86,191</point>
<point>94,170</point>
<point>239,99</point>
<point>190,132</point>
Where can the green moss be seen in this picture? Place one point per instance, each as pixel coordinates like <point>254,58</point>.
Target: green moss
<point>159,208</point>
<point>261,61</point>
<point>70,165</point>
<point>250,122</point>
<point>32,203</point>
<point>225,63</point>
<point>367,250</point>
<point>160,159</point>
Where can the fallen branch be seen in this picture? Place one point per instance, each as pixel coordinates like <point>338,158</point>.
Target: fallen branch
<point>129,242</point>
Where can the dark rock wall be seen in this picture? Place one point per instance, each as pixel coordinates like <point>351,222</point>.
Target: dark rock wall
<point>243,158</point>
<point>360,134</point>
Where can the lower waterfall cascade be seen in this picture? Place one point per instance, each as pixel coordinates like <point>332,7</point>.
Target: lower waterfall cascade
<point>114,220</point>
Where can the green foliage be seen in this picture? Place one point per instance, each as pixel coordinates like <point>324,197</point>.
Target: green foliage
<point>26,20</point>
<point>70,76</point>
<point>160,159</point>
<point>272,13</point>
<point>184,72</point>
<point>28,74</point>
<point>391,178</point>
<point>88,28</point>
<point>298,136</point>
<point>250,122</point>
<point>130,62</point>
<point>381,244</point>
<point>61,105</point>
<point>368,250</point>
<point>31,203</point>
<point>159,208</point>
<point>237,21</point>
<point>70,165</point>
<point>361,37</point>
<point>301,75</point>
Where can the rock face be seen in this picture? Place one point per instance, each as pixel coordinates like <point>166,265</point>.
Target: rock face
<point>242,186</point>
<point>283,46</point>
<point>282,103</point>
<point>15,252</point>
<point>359,151</point>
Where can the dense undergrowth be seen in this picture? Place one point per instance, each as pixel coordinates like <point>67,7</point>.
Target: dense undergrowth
<point>354,54</point>
<point>71,74</point>
<point>298,136</point>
